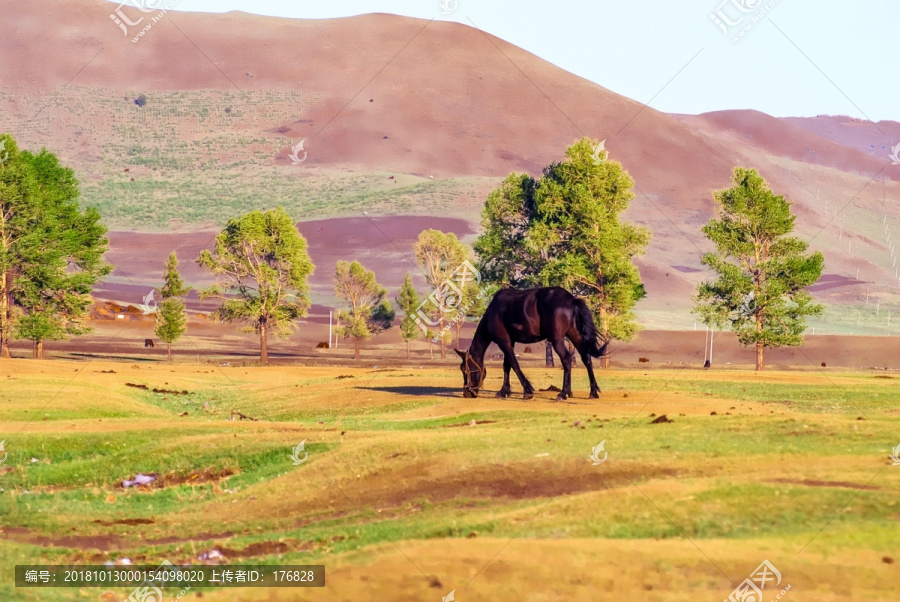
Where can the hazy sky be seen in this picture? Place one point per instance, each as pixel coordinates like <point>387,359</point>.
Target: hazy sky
<point>801,57</point>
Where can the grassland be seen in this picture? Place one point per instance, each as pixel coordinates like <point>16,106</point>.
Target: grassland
<point>404,498</point>
<point>198,158</point>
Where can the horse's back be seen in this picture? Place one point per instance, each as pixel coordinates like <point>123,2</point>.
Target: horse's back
<point>527,314</point>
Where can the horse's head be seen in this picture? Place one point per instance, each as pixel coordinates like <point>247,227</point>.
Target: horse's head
<point>473,373</point>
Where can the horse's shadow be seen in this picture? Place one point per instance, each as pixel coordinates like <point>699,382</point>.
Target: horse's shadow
<point>417,391</point>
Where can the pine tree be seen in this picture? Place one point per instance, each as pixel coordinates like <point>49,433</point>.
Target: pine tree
<point>171,320</point>
<point>762,270</point>
<point>408,301</point>
<point>369,312</point>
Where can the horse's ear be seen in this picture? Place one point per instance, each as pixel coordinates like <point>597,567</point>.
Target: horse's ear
<point>461,354</point>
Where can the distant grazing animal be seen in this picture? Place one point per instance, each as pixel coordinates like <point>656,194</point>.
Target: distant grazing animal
<point>516,316</point>
<point>148,343</point>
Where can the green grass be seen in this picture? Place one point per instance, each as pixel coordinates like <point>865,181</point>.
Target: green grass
<point>383,468</point>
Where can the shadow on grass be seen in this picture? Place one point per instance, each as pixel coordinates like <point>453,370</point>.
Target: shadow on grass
<point>417,391</point>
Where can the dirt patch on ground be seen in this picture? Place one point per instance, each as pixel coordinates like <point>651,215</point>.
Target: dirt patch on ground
<point>195,477</point>
<point>78,542</point>
<point>266,548</point>
<point>125,521</point>
<point>472,423</point>
<point>815,483</point>
<point>385,489</point>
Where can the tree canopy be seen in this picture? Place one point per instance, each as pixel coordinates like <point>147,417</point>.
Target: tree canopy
<point>565,229</point>
<point>262,266</point>
<point>51,251</point>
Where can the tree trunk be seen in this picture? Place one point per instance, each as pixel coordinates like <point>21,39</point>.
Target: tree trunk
<point>458,328</point>
<point>760,359</point>
<point>443,349</point>
<point>407,348</point>
<point>549,355</point>
<point>4,317</point>
<point>263,345</point>
<point>431,348</point>
<point>356,348</point>
<point>38,352</point>
<point>604,329</point>
<point>169,351</point>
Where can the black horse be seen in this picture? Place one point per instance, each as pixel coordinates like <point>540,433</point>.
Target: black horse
<point>529,316</point>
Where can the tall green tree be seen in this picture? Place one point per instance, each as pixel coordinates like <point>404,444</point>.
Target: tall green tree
<point>440,255</point>
<point>565,229</point>
<point>58,259</point>
<point>171,319</point>
<point>369,312</point>
<point>588,248</point>
<point>408,301</point>
<point>262,266</point>
<point>18,211</point>
<point>762,271</point>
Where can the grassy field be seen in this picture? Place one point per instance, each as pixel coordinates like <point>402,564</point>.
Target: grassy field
<point>189,159</point>
<point>410,491</point>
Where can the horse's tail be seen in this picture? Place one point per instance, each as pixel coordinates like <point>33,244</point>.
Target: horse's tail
<point>584,322</point>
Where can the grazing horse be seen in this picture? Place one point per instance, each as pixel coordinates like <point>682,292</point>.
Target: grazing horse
<point>529,316</point>
<point>148,343</point>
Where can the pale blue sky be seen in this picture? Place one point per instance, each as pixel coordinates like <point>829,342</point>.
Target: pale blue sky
<point>833,57</point>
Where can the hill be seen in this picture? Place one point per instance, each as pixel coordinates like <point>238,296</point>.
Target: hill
<point>401,116</point>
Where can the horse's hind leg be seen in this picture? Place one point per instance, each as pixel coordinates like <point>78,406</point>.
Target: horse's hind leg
<point>595,388</point>
<point>505,390</point>
<point>579,343</point>
<point>565,356</point>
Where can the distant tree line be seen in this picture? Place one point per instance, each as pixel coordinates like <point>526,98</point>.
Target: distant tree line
<point>563,228</point>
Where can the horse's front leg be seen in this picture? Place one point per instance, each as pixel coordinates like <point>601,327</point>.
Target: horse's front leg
<point>505,390</point>
<point>510,357</point>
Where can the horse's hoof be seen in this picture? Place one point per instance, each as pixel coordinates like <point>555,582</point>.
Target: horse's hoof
<point>469,394</point>
<point>528,396</point>
<point>561,397</point>
<point>502,394</point>
<point>595,395</point>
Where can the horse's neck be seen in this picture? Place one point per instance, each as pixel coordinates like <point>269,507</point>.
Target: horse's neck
<point>480,342</point>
